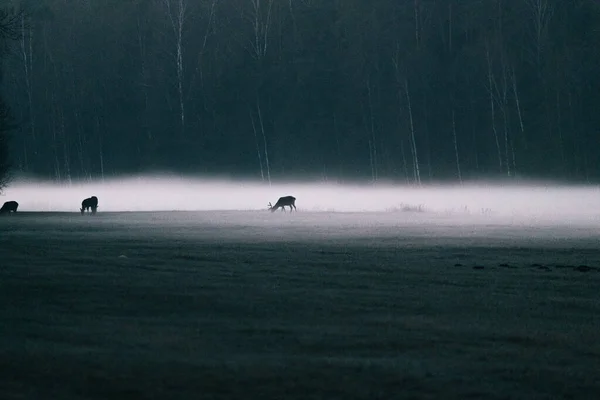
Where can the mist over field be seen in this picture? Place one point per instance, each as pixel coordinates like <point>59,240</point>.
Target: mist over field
<point>511,202</point>
<point>479,291</point>
<point>445,161</point>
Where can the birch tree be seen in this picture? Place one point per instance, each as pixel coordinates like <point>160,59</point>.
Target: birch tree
<point>260,19</point>
<point>177,14</point>
<point>542,12</point>
<point>27,57</point>
<point>404,94</point>
<point>490,85</point>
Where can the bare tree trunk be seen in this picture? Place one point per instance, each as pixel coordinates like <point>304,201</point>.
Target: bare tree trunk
<point>260,163</point>
<point>338,147</point>
<point>59,129</point>
<point>426,137</point>
<point>177,18</point>
<point>180,15</point>
<point>369,140</point>
<point>65,147</point>
<point>516,93</point>
<point>417,173</point>
<point>520,115</point>
<point>576,136</point>
<point>514,158</point>
<point>492,108</point>
<point>506,119</point>
<point>99,136</point>
<point>27,53</point>
<point>417,25</point>
<point>201,53</point>
<point>261,25</point>
<point>80,143</point>
<point>449,27</point>
<point>507,147</point>
<point>57,171</point>
<point>294,24</point>
<point>404,162</point>
<point>475,150</point>
<point>542,13</point>
<point>262,129</point>
<point>371,161</point>
<point>372,140</point>
<point>144,75</point>
<point>560,133</point>
<point>472,120</point>
<point>259,45</point>
<point>456,147</point>
<point>100,148</point>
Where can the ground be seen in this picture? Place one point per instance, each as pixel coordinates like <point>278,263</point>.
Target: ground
<point>255,305</point>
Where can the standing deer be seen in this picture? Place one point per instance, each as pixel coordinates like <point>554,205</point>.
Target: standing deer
<point>9,206</point>
<point>284,201</point>
<point>89,203</point>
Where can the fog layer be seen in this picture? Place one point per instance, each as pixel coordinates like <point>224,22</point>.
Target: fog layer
<point>577,203</point>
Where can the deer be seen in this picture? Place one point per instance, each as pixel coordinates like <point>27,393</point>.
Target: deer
<point>9,206</point>
<point>282,202</point>
<point>90,203</point>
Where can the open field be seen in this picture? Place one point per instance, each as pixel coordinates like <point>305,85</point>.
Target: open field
<point>254,305</point>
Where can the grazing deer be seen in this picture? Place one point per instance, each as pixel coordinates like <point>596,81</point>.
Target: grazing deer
<point>282,202</point>
<point>9,206</point>
<point>89,203</point>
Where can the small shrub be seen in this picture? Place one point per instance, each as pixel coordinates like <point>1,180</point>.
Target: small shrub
<point>407,208</point>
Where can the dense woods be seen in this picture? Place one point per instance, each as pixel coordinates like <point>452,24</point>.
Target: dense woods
<point>407,90</point>
<point>8,31</point>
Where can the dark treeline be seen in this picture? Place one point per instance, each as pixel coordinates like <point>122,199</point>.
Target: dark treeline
<point>9,27</point>
<point>409,90</point>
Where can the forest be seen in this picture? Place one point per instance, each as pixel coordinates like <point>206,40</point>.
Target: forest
<point>410,91</point>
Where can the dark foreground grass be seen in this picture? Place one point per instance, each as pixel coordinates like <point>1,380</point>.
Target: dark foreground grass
<point>140,309</point>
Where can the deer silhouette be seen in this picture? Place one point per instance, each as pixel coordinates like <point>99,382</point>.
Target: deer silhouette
<point>9,206</point>
<point>90,203</point>
<point>282,202</point>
